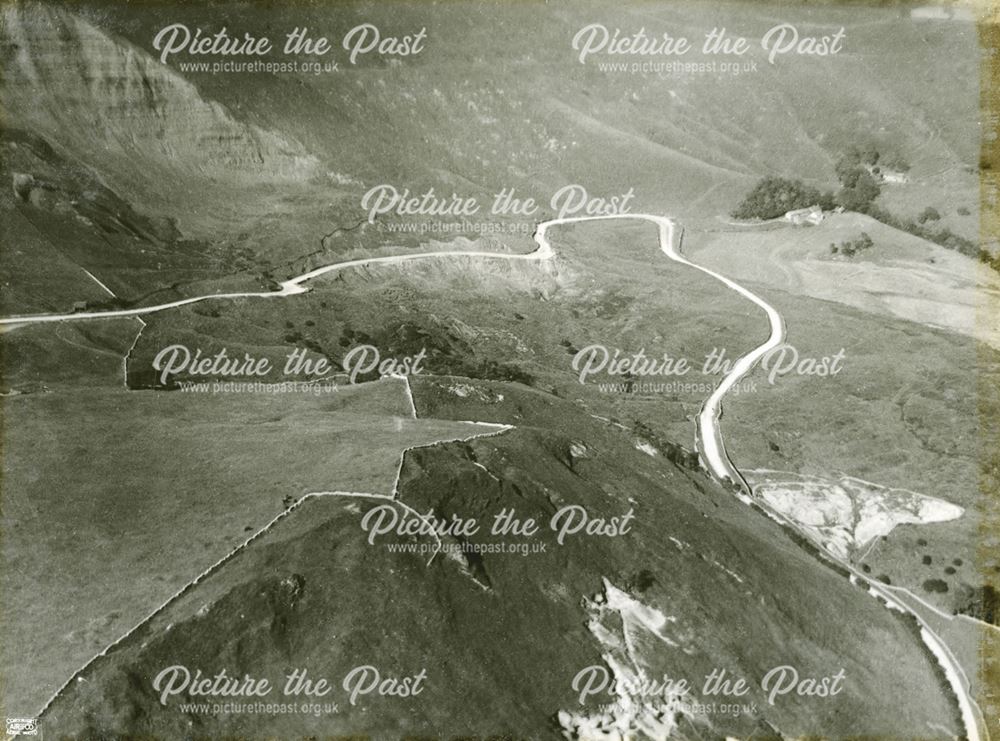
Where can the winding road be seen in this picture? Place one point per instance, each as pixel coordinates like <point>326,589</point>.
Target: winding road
<point>709,440</point>
<point>290,287</point>
<point>710,443</point>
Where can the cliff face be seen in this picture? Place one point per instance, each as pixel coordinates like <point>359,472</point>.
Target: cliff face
<point>122,111</point>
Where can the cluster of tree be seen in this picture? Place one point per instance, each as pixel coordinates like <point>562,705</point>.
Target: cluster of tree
<point>774,196</point>
<point>852,246</point>
<point>870,158</point>
<point>676,454</point>
<point>940,586</point>
<point>858,170</point>
<point>938,235</point>
<point>640,582</point>
<point>858,187</point>
<point>295,337</point>
<point>491,370</point>
<point>982,603</point>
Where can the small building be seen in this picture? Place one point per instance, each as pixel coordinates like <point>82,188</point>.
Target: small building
<point>942,13</point>
<point>802,216</point>
<point>891,176</point>
<point>887,175</point>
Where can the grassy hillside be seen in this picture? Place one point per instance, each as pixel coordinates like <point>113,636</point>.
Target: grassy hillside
<point>500,660</point>
<point>902,412</point>
<point>114,500</point>
<point>271,165</point>
<point>164,184</point>
<point>902,276</point>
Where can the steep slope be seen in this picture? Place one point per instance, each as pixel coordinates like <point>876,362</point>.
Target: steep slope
<point>101,526</point>
<point>501,636</point>
<point>444,116</point>
<point>103,95</point>
<point>72,242</point>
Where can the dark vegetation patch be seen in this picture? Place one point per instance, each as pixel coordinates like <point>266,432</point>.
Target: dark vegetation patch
<point>446,353</point>
<point>851,247</point>
<point>982,603</point>
<point>860,171</point>
<point>938,586</point>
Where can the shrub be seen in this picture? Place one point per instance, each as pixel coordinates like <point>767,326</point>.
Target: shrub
<point>852,247</point>
<point>982,603</point>
<point>641,581</point>
<point>928,214</point>
<point>935,585</point>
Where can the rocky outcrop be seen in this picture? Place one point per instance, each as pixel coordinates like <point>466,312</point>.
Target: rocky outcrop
<point>116,107</point>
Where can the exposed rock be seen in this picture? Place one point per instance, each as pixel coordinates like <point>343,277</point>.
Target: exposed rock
<point>94,93</point>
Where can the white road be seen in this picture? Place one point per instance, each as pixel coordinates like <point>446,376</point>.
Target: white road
<point>290,287</point>
<point>709,433</point>
<point>710,443</point>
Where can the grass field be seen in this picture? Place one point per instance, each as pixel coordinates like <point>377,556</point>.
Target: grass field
<point>900,276</point>
<point>906,410</point>
<point>113,500</point>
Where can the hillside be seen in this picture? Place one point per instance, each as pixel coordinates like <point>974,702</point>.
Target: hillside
<point>216,518</point>
<point>673,140</point>
<point>902,276</point>
<point>515,621</point>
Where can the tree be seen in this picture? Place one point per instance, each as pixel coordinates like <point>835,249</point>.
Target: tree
<point>848,171</point>
<point>859,190</point>
<point>774,196</point>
